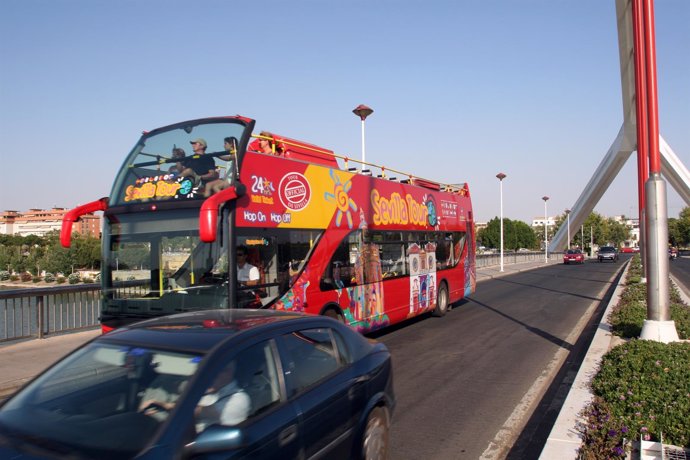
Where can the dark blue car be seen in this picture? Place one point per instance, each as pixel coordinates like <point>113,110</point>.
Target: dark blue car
<point>219,384</point>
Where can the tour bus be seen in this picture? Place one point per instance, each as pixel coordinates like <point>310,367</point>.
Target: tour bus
<point>327,234</point>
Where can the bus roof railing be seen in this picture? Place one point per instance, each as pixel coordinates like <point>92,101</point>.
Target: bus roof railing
<point>303,151</point>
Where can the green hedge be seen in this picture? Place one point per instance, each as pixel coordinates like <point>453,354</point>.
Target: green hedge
<point>642,388</point>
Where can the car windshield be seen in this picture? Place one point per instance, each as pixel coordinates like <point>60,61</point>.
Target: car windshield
<point>92,404</point>
<point>607,249</point>
<point>573,251</point>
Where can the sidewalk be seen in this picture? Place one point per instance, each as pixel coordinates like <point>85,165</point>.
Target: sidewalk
<point>20,362</point>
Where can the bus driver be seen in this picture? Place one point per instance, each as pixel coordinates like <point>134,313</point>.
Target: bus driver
<point>247,274</point>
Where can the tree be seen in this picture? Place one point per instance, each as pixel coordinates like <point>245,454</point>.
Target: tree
<point>616,232</point>
<point>684,227</point>
<point>516,234</point>
<point>675,237</point>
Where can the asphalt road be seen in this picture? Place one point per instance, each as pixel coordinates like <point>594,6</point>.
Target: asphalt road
<point>486,380</point>
<point>680,269</point>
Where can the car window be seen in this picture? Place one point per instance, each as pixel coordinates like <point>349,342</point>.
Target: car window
<point>244,387</point>
<point>309,356</point>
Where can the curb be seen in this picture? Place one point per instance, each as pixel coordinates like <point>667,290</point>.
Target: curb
<point>565,440</point>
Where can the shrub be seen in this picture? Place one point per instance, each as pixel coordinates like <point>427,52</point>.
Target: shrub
<point>14,277</point>
<point>87,279</point>
<point>4,275</point>
<point>642,388</point>
<point>49,278</point>
<point>25,277</point>
<point>73,278</point>
<point>60,279</point>
<point>627,318</point>
<point>37,278</point>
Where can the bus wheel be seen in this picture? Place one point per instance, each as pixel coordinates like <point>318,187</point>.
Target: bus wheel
<point>333,313</point>
<point>441,300</point>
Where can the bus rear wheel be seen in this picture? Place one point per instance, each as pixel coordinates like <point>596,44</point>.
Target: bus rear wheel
<point>335,314</point>
<point>441,300</point>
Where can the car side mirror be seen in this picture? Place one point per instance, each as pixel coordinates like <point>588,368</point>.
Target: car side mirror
<point>215,438</point>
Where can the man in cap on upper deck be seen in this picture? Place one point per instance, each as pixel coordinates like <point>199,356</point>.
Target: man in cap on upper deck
<point>200,167</point>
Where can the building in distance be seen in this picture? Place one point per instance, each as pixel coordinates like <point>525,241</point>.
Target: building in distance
<point>41,221</point>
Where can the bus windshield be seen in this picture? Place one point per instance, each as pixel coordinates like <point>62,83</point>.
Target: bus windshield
<point>178,163</point>
<point>155,264</point>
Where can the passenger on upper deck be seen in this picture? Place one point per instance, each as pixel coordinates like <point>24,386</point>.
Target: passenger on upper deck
<point>179,155</point>
<point>230,145</point>
<point>201,168</point>
<point>264,145</point>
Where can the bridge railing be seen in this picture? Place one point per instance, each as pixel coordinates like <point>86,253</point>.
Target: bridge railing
<point>37,312</point>
<point>493,259</point>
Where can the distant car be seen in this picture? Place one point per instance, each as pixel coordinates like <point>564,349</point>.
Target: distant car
<point>607,253</point>
<point>574,256</point>
<point>672,253</point>
<point>627,250</point>
<point>296,386</point>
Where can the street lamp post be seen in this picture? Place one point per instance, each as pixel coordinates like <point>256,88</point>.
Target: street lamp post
<point>362,111</point>
<point>500,177</point>
<point>567,217</point>
<point>546,231</point>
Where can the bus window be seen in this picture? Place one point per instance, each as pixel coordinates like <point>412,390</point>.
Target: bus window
<point>280,256</point>
<point>392,254</point>
<point>458,246</point>
<point>341,271</point>
<point>444,251</point>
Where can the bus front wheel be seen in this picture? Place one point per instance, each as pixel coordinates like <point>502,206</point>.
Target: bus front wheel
<point>333,313</point>
<point>441,300</point>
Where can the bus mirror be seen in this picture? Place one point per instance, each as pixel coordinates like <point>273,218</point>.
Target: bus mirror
<point>208,216</point>
<point>73,215</point>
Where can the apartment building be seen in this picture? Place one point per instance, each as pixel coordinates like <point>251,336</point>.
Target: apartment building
<point>41,221</point>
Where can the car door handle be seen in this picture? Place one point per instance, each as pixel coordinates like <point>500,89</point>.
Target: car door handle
<point>287,435</point>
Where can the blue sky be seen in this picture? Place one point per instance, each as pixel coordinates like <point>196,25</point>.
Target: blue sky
<point>461,89</point>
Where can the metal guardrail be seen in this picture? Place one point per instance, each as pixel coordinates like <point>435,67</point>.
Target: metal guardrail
<point>37,312</point>
<point>490,260</point>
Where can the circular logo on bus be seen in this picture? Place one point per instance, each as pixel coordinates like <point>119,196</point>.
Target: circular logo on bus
<point>294,191</point>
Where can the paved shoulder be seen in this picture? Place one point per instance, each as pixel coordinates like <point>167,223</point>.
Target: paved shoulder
<point>20,362</point>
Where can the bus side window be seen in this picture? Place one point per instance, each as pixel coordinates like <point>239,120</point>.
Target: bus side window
<point>340,272</point>
<point>444,255</point>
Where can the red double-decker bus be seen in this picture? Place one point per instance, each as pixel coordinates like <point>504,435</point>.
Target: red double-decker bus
<point>320,236</point>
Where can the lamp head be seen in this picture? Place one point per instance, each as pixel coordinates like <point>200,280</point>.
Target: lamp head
<point>362,111</point>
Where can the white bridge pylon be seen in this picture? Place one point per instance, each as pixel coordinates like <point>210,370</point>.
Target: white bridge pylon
<point>625,143</point>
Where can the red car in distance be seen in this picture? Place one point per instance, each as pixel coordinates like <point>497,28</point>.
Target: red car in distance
<point>573,255</point>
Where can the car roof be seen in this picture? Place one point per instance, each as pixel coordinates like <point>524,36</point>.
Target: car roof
<point>201,331</point>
